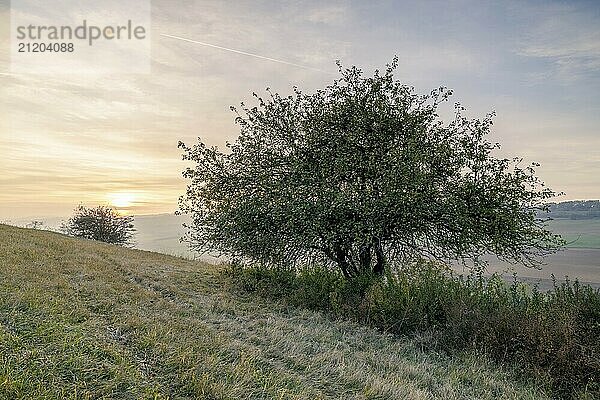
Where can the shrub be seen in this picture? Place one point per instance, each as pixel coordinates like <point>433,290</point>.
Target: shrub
<point>101,223</point>
<point>315,285</point>
<point>553,335</point>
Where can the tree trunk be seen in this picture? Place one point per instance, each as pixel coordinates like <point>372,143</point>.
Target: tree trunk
<point>341,257</point>
<point>351,267</point>
<point>379,266</point>
<point>365,258</point>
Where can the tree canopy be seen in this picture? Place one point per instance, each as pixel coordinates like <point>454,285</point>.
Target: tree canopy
<point>362,174</point>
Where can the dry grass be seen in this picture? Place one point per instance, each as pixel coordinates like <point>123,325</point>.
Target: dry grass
<point>81,319</point>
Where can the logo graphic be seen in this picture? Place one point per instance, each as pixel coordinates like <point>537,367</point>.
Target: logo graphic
<point>80,36</point>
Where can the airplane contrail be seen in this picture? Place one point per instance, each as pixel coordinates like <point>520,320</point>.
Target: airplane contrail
<point>244,53</point>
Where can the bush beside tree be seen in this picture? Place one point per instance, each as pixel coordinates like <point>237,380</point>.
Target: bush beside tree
<point>553,336</point>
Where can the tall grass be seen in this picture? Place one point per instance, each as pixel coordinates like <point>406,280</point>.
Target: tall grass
<point>553,336</point>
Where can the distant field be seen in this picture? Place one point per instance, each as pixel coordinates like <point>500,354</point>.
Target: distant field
<point>580,260</point>
<point>81,319</point>
<point>581,233</point>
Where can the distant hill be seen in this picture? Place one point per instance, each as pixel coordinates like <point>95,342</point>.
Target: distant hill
<point>576,209</point>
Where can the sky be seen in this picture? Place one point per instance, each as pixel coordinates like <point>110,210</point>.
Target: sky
<point>69,139</point>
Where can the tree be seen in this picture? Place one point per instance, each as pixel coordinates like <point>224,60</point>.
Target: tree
<point>102,223</point>
<point>362,174</point>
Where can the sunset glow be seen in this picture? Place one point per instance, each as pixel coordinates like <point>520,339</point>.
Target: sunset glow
<point>121,200</point>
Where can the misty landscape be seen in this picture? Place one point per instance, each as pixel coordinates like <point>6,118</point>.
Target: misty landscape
<point>162,233</point>
<point>213,199</point>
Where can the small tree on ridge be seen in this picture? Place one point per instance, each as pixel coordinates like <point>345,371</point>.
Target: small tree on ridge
<point>101,223</point>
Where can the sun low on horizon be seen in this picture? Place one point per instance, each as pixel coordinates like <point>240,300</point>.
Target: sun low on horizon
<point>121,199</point>
<point>135,202</point>
<point>126,203</point>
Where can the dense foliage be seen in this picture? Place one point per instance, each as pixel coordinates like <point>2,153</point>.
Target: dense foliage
<point>362,174</point>
<point>101,223</point>
<point>552,336</point>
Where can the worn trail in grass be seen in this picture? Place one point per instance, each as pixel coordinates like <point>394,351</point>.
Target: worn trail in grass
<point>81,319</point>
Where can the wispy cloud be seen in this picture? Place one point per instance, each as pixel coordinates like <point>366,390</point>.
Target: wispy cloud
<point>566,36</point>
<point>330,14</point>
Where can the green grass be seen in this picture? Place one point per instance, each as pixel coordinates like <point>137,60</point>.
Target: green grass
<point>83,320</point>
<point>582,233</point>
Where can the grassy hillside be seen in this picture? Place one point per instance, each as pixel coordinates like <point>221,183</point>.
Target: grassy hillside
<point>80,319</point>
